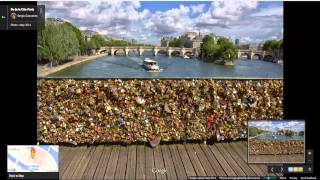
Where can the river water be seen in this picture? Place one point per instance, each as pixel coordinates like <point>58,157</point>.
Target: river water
<point>171,67</point>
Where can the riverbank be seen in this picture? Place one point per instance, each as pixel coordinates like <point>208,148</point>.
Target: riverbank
<point>44,70</point>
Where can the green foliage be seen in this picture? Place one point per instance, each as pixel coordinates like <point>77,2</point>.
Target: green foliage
<point>253,131</point>
<point>209,47</point>
<point>288,133</point>
<point>98,41</point>
<point>227,49</point>
<point>222,49</point>
<point>57,42</point>
<point>112,42</point>
<point>271,45</point>
<point>178,42</point>
<point>80,37</point>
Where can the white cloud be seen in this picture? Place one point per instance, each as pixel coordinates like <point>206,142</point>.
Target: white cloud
<point>169,22</point>
<point>265,125</point>
<point>275,11</point>
<point>129,19</point>
<point>232,9</point>
<point>197,8</point>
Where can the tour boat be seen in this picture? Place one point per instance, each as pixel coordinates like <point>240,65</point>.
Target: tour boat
<point>186,57</point>
<point>150,65</point>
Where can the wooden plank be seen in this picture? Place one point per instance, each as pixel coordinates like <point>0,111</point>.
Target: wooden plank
<point>159,164</point>
<point>149,163</point>
<point>169,166</point>
<point>62,153</point>
<point>212,160</point>
<point>93,163</point>
<point>112,164</point>
<point>74,164</point>
<point>132,161</point>
<point>243,165</point>
<point>190,171</point>
<point>103,163</point>
<point>195,161</point>
<point>122,163</point>
<point>64,164</point>
<point>204,161</point>
<point>233,164</point>
<point>243,156</point>
<point>224,164</point>
<point>83,163</point>
<point>178,162</point>
<point>140,171</point>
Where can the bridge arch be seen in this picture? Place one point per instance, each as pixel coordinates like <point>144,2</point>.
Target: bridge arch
<point>147,52</point>
<point>247,54</point>
<point>268,57</point>
<point>189,53</point>
<point>175,53</point>
<point>257,55</point>
<point>162,52</point>
<point>117,51</point>
<point>133,52</point>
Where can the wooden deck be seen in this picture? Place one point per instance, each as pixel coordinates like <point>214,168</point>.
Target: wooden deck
<point>176,161</point>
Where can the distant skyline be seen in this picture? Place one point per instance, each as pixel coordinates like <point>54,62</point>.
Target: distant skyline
<point>278,125</point>
<point>148,21</point>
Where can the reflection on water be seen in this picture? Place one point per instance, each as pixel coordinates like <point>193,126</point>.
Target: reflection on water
<point>172,67</point>
<point>278,137</point>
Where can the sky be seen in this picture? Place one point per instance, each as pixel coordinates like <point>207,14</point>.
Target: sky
<point>148,21</point>
<point>278,125</point>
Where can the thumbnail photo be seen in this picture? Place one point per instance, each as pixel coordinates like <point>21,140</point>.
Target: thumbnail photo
<point>161,39</point>
<point>276,141</point>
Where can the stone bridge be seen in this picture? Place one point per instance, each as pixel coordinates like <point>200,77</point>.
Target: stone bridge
<point>170,50</point>
<point>250,53</point>
<point>155,50</point>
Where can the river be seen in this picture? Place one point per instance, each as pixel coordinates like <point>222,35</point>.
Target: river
<point>171,67</point>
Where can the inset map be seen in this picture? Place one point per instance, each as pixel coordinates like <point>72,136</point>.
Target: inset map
<point>33,158</point>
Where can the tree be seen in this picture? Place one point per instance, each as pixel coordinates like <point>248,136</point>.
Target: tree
<point>222,49</point>
<point>273,46</point>
<point>112,42</point>
<point>253,131</point>
<point>227,50</point>
<point>98,41</point>
<point>56,42</point>
<point>178,42</point>
<point>288,133</point>
<point>209,47</point>
<point>79,36</point>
